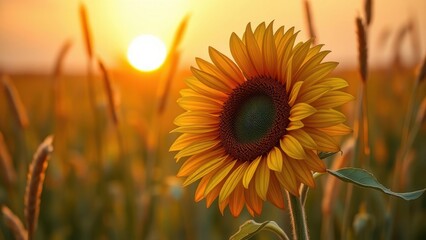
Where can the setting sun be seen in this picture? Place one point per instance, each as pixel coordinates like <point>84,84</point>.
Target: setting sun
<point>146,53</point>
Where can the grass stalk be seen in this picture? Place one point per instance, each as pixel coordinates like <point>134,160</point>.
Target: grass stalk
<point>35,181</point>
<point>6,165</point>
<point>309,21</point>
<point>15,102</point>
<point>14,224</point>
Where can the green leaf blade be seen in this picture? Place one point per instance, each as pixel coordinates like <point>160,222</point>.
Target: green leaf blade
<point>365,179</point>
<point>250,228</point>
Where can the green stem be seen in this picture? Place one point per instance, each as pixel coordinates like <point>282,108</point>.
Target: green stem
<point>298,218</point>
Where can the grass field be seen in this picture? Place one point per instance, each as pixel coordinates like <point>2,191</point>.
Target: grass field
<point>96,188</point>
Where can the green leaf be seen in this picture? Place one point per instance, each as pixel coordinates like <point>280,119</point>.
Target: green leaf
<point>323,155</point>
<point>363,178</point>
<point>251,228</point>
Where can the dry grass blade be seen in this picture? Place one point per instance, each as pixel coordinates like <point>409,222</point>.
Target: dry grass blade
<point>6,166</point>
<point>108,89</point>
<point>309,21</point>
<point>422,73</point>
<point>86,30</point>
<point>57,70</point>
<point>14,224</point>
<point>35,181</point>
<point>362,48</point>
<point>179,34</point>
<point>368,5</point>
<point>172,61</point>
<point>15,102</point>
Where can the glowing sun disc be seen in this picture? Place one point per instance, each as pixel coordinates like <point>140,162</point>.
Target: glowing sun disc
<point>146,53</point>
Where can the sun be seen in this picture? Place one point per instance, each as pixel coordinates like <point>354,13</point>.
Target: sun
<point>146,52</point>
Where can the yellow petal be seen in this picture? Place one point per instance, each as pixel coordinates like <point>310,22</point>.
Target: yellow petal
<point>219,176</point>
<point>199,192</point>
<point>194,162</point>
<point>304,138</point>
<point>196,148</point>
<point>294,93</point>
<point>289,75</point>
<point>337,130</point>
<point>324,118</point>
<point>332,99</point>
<point>194,118</point>
<point>262,180</point>
<point>278,35</point>
<point>212,195</point>
<point>335,83</point>
<point>300,55</point>
<point>303,173</point>
<point>211,80</point>
<point>287,178</point>
<point>223,204</point>
<point>269,51</point>
<point>259,33</point>
<point>187,139</point>
<point>292,147</point>
<point>253,50</point>
<point>236,201</point>
<point>308,94</point>
<point>275,159</point>
<point>204,169</point>
<point>314,162</point>
<point>325,142</point>
<point>284,50</point>
<point>305,70</point>
<point>293,125</point>
<point>195,129</point>
<point>194,103</point>
<point>232,181</point>
<point>319,72</point>
<point>239,52</point>
<point>300,111</point>
<point>253,200</point>
<point>202,89</point>
<point>249,173</point>
<point>226,66</point>
<point>275,194</point>
<point>213,70</point>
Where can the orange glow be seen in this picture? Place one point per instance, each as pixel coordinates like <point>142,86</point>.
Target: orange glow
<point>146,53</point>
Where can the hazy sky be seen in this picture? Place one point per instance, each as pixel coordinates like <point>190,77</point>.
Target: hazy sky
<point>31,32</point>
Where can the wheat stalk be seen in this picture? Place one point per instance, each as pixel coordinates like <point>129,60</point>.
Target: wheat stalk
<point>35,181</point>
<point>15,102</point>
<point>368,5</point>
<point>6,165</point>
<point>309,21</point>
<point>14,224</point>
<point>86,30</point>
<point>362,48</point>
<point>109,92</point>
<point>172,61</point>
<point>57,71</point>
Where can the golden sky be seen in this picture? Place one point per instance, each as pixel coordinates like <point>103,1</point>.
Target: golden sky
<point>31,32</point>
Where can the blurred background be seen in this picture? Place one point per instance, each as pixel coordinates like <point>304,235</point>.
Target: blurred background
<point>75,70</point>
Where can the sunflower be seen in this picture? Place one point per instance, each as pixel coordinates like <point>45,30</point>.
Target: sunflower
<point>254,125</point>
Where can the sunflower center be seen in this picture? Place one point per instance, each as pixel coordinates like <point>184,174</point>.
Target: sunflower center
<point>254,118</point>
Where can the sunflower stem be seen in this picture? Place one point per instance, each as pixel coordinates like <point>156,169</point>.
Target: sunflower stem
<point>298,218</point>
